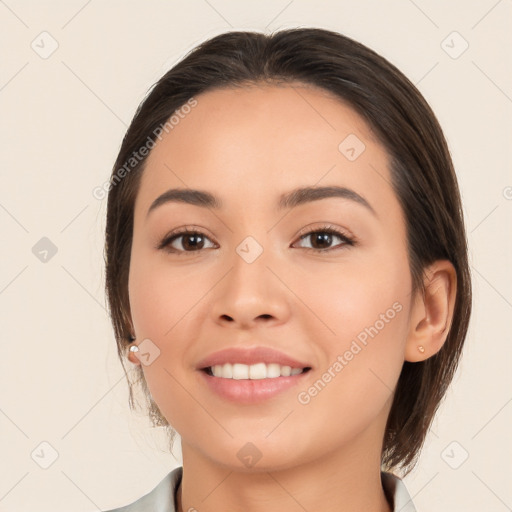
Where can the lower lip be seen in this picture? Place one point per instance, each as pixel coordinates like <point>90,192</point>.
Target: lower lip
<point>247,391</point>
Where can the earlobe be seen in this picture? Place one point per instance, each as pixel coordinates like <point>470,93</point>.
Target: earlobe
<point>432,312</point>
<point>132,354</point>
<point>132,347</point>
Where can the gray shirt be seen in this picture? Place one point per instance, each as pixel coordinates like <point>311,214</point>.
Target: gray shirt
<point>162,497</point>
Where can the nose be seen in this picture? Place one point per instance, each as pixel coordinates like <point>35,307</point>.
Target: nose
<point>250,295</point>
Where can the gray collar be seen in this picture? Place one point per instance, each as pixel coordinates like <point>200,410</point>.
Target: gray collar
<point>161,498</point>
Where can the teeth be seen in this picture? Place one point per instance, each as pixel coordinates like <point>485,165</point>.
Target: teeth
<point>256,371</point>
<point>240,371</point>
<point>273,371</point>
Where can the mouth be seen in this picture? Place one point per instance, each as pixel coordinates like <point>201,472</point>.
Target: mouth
<point>258,371</point>
<point>252,375</point>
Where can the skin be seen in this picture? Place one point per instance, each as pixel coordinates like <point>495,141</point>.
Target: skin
<point>248,146</point>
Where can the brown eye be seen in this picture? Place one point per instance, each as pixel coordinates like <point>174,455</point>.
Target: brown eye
<point>323,240</point>
<point>192,242</point>
<point>186,241</point>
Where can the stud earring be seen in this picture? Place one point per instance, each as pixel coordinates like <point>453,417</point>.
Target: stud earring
<point>134,348</point>
<point>421,348</point>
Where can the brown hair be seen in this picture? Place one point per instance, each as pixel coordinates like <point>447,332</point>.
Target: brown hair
<point>422,174</point>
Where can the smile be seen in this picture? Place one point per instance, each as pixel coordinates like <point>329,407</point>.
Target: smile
<point>258,371</point>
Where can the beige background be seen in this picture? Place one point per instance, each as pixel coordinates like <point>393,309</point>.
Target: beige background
<point>62,119</point>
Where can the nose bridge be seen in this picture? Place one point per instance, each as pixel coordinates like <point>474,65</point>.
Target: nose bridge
<point>250,291</point>
<point>249,277</point>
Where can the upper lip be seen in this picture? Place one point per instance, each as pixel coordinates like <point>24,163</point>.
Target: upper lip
<point>250,356</point>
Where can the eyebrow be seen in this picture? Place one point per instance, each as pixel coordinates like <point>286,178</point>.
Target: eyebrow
<point>288,200</point>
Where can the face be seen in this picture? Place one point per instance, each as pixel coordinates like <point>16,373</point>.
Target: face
<point>316,281</point>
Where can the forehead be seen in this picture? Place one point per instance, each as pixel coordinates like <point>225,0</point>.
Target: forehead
<point>248,143</point>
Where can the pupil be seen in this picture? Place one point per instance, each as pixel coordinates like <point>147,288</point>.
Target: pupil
<point>323,239</point>
<point>192,242</point>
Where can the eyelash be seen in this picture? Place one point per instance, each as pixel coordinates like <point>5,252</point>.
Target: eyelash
<point>348,241</point>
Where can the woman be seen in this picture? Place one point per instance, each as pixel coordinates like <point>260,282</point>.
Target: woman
<point>286,268</point>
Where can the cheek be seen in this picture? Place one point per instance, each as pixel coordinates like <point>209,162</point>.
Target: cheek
<point>356,298</point>
<point>366,307</point>
<point>162,295</point>
<point>161,298</point>
<point>355,384</point>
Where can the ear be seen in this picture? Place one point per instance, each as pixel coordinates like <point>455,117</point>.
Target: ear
<point>132,355</point>
<point>432,312</point>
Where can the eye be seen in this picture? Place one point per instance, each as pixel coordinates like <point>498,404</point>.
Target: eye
<point>185,241</point>
<point>191,240</point>
<point>322,239</point>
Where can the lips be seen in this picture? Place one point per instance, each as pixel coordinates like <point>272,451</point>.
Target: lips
<point>251,375</point>
<point>251,363</point>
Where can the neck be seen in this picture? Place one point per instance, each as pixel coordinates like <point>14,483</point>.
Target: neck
<point>347,480</point>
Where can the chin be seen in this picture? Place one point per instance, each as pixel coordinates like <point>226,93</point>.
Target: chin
<point>256,454</point>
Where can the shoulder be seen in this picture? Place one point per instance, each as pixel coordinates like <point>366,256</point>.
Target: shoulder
<point>160,499</point>
<point>396,491</point>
